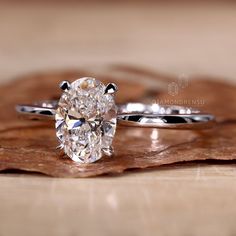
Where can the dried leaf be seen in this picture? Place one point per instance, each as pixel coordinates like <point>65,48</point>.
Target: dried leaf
<point>30,145</point>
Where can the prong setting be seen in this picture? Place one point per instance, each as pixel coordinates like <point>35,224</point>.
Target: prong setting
<point>60,147</point>
<point>109,151</point>
<point>65,85</point>
<point>111,88</point>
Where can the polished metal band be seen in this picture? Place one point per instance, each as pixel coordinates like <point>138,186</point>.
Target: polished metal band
<point>135,114</point>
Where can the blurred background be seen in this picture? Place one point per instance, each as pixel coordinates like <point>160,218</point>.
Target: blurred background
<point>173,37</point>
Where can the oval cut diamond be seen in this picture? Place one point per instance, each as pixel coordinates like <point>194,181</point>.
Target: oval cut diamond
<point>86,120</point>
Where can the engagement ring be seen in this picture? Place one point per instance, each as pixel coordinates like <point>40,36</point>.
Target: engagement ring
<point>86,117</point>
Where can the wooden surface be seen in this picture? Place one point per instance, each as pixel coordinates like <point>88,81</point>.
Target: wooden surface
<point>181,200</point>
<point>190,199</point>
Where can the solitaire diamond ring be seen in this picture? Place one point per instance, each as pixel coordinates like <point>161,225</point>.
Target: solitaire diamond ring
<point>86,117</point>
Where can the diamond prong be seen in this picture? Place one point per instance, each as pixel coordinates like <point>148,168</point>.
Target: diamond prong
<point>108,151</point>
<point>60,147</point>
<point>111,88</point>
<point>65,85</point>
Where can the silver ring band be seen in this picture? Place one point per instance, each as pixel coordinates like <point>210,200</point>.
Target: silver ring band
<point>135,114</point>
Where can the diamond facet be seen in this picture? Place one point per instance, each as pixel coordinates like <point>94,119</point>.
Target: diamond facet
<point>86,120</point>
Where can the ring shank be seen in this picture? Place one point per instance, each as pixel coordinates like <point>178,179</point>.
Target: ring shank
<point>135,114</point>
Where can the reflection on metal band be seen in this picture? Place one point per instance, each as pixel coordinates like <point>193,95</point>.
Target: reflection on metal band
<point>135,114</point>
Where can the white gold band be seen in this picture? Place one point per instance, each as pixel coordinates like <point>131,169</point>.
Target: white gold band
<point>134,114</point>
